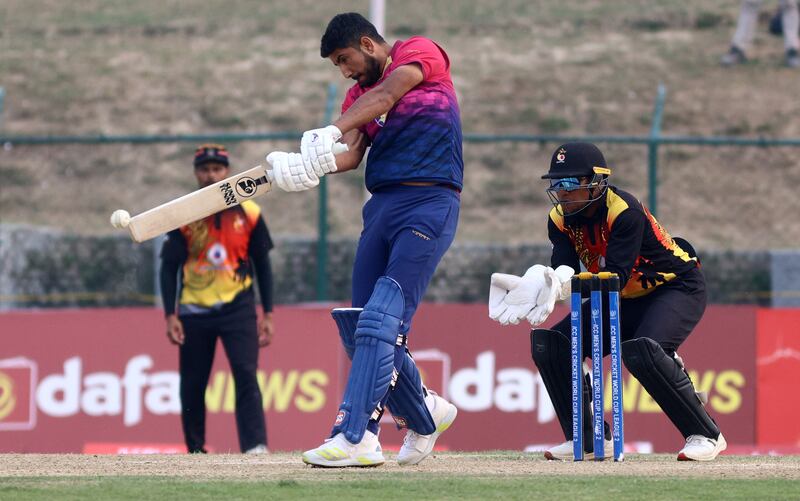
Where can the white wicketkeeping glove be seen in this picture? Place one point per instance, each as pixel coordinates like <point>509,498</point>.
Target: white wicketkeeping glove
<point>289,172</point>
<point>557,288</point>
<point>501,284</point>
<point>564,275</point>
<point>316,147</point>
<point>511,297</point>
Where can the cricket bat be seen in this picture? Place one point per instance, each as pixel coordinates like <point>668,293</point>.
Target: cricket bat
<point>204,202</point>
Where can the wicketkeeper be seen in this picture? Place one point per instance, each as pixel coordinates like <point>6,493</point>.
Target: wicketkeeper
<point>603,228</point>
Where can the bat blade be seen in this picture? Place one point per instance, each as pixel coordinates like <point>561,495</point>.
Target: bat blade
<point>205,201</point>
<point>189,208</point>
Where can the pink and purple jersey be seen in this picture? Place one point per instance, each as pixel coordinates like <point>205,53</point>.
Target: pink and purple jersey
<point>419,139</point>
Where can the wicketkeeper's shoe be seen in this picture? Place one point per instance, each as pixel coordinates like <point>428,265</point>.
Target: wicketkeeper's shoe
<point>564,451</point>
<point>337,452</point>
<point>417,447</point>
<point>700,448</point>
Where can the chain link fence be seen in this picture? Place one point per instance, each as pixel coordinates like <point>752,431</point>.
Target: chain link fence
<point>734,203</point>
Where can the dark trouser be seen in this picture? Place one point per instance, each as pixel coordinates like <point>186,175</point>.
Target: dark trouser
<point>407,230</point>
<point>237,330</point>
<point>667,316</point>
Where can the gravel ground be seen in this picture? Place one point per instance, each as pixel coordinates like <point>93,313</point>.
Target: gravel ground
<point>283,466</point>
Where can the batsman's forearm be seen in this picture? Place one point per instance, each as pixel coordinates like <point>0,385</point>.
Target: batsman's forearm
<point>381,98</point>
<point>357,142</point>
<point>365,109</point>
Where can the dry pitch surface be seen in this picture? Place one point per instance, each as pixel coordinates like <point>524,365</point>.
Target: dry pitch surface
<point>283,466</point>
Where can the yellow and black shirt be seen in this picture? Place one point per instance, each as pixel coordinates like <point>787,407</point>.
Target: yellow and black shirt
<point>621,237</point>
<point>217,257</point>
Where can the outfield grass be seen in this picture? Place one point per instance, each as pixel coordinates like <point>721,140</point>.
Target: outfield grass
<point>389,486</point>
<point>482,475</point>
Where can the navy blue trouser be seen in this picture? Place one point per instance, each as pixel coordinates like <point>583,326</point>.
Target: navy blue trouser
<point>407,230</point>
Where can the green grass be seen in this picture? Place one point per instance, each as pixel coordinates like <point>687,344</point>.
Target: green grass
<point>388,487</point>
<point>447,475</point>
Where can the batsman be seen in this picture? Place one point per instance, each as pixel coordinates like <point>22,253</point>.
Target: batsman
<point>604,228</point>
<point>403,105</point>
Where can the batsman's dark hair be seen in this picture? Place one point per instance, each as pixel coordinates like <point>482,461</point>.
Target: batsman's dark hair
<point>345,30</point>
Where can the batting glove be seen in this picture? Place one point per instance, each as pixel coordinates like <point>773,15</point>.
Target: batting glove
<point>316,147</point>
<point>289,172</point>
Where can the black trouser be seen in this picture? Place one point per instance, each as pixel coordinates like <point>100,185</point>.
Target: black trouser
<point>667,315</point>
<point>237,330</point>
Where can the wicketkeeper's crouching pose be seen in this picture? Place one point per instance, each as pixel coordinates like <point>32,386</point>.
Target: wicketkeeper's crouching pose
<point>663,297</point>
<point>405,107</point>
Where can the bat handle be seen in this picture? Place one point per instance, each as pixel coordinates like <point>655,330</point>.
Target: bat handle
<point>337,149</point>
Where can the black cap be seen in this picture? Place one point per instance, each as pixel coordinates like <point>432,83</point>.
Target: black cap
<point>577,160</point>
<point>208,153</point>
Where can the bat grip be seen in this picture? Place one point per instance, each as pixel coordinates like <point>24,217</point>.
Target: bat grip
<point>337,149</point>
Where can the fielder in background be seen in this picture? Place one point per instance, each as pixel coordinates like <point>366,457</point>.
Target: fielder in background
<point>663,295</point>
<point>214,261</point>
<point>404,106</point>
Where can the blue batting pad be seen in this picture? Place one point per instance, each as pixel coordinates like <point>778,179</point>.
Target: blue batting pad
<point>373,359</point>
<point>346,320</point>
<point>407,397</point>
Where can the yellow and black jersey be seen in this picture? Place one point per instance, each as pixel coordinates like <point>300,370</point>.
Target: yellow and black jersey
<point>622,237</point>
<point>216,256</point>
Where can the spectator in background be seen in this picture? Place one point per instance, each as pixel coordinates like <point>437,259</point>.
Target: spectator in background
<point>745,29</point>
<point>217,257</point>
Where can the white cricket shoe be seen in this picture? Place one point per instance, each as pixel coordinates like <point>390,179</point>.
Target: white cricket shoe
<point>417,447</point>
<point>564,451</point>
<point>258,449</point>
<point>700,448</point>
<point>337,452</point>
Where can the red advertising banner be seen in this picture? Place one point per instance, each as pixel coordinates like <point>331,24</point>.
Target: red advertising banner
<point>108,378</point>
<point>17,407</point>
<point>778,361</point>
<point>503,404</point>
<point>106,381</point>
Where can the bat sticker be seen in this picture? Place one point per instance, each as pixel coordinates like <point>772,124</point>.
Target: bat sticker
<point>247,186</point>
<point>227,192</point>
